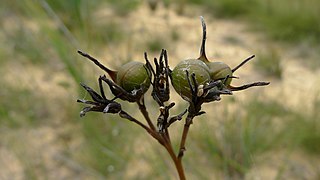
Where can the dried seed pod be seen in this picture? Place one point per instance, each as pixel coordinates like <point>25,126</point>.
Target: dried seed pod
<point>179,78</point>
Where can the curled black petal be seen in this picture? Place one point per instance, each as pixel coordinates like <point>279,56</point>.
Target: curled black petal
<point>112,107</point>
<point>99,102</point>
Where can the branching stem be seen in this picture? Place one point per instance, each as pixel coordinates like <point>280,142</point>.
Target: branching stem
<point>184,136</point>
<point>125,115</point>
<point>145,114</point>
<point>177,162</point>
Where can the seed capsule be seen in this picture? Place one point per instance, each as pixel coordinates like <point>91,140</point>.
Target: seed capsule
<point>219,71</point>
<point>133,76</point>
<point>179,79</point>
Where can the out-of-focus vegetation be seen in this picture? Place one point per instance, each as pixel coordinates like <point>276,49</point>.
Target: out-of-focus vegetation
<point>289,20</point>
<point>40,73</point>
<point>239,138</point>
<point>44,35</point>
<point>269,62</point>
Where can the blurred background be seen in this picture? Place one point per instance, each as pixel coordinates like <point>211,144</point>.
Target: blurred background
<point>271,132</point>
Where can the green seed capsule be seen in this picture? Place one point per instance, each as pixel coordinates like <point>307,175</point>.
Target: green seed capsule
<point>219,71</point>
<point>179,78</point>
<point>133,76</point>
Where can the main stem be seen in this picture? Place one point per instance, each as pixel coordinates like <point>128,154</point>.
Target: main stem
<point>164,139</point>
<point>177,163</point>
<point>178,159</point>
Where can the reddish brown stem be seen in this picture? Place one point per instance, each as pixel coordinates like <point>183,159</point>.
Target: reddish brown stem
<point>177,163</point>
<point>168,135</point>
<point>163,139</point>
<point>184,137</point>
<point>145,114</point>
<point>183,141</point>
<point>153,133</point>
